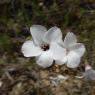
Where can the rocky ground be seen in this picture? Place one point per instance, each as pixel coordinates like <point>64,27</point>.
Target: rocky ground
<point>25,80</point>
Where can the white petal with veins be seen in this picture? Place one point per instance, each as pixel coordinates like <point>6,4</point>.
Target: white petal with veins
<point>45,59</point>
<point>53,35</point>
<point>61,62</point>
<point>73,60</point>
<point>30,50</point>
<point>37,32</point>
<point>69,40</point>
<point>79,48</point>
<point>58,52</point>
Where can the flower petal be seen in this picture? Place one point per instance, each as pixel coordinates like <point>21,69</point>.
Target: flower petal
<point>69,40</point>
<point>61,62</point>
<point>30,50</point>
<point>88,67</point>
<point>89,74</point>
<point>58,51</point>
<point>45,59</point>
<point>53,35</point>
<point>73,60</point>
<point>79,48</point>
<point>37,32</point>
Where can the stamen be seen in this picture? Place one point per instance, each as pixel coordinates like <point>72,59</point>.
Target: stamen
<point>45,47</point>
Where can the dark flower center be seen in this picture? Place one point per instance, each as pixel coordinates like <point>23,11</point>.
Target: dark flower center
<point>45,47</point>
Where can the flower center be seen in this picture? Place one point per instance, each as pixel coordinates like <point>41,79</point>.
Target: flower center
<point>45,47</point>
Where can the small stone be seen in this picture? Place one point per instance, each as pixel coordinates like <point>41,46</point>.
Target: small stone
<point>44,74</point>
<point>17,89</point>
<point>78,83</point>
<point>1,83</point>
<point>41,4</point>
<point>46,82</point>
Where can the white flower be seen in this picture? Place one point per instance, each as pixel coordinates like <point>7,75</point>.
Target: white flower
<point>74,51</point>
<point>89,73</point>
<point>45,45</point>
